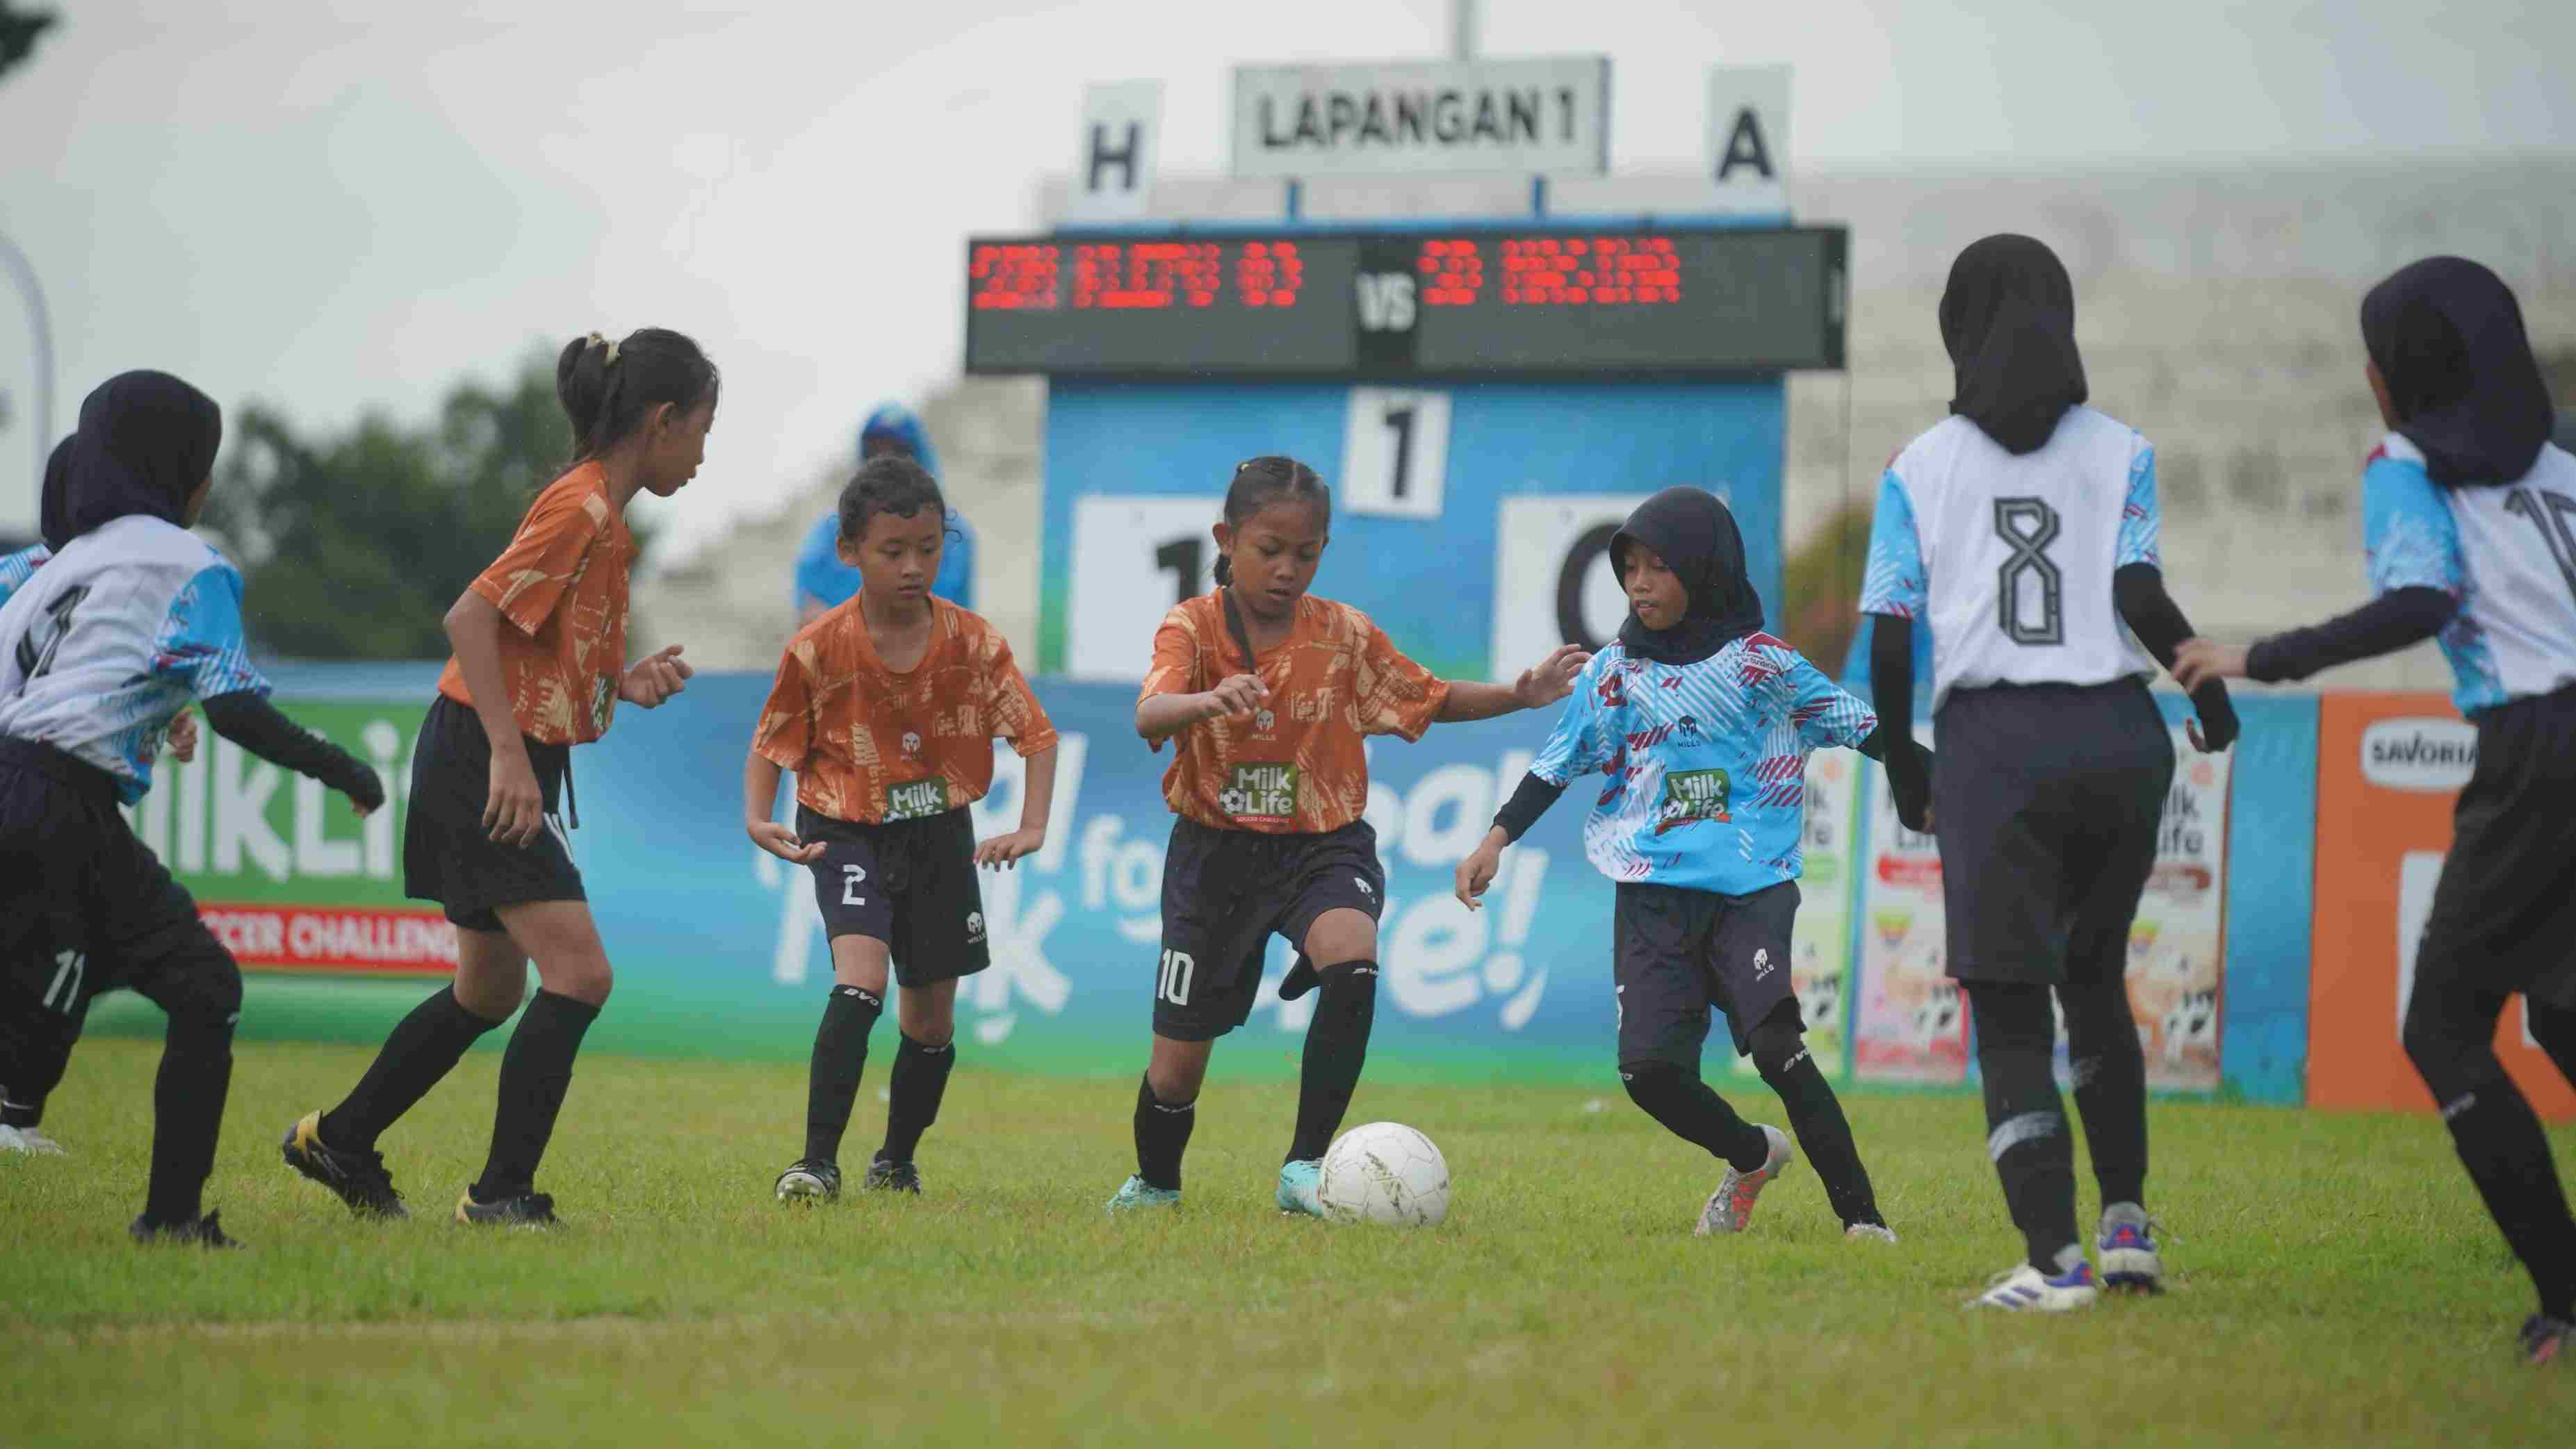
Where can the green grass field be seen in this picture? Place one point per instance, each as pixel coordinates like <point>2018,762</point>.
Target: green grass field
<point>2336,1284</point>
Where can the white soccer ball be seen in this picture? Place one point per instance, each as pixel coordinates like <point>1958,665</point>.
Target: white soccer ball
<point>1385,1172</point>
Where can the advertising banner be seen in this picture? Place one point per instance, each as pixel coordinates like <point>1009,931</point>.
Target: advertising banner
<point>2389,769</point>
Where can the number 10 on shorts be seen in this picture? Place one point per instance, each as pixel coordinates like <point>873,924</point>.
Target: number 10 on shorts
<point>1174,987</point>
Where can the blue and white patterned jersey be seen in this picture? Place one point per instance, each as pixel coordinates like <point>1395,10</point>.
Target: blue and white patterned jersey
<point>2008,557</point>
<point>2508,554</point>
<point>107,642</point>
<point>1707,762</point>
<point>17,568</point>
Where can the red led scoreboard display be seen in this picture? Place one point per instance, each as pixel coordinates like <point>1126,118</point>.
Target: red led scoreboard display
<point>1389,304</point>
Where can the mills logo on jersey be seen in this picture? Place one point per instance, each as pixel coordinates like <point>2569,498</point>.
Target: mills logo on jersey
<point>1705,763</point>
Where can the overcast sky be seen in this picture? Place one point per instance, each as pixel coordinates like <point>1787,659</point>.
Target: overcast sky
<point>345,205</point>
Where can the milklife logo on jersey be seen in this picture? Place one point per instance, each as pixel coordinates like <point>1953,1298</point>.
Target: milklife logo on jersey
<point>1693,795</point>
<point>2430,756</point>
<point>916,799</point>
<point>1261,792</point>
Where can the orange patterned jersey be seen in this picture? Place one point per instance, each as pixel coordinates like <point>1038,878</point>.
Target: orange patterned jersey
<point>1296,766</point>
<point>869,745</point>
<point>562,585</point>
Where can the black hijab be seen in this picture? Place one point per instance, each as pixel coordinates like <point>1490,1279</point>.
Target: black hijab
<point>146,440</point>
<point>2448,340</point>
<point>2008,319</point>
<point>54,509</point>
<point>1697,539</point>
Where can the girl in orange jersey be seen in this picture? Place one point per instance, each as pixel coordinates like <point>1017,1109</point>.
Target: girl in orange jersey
<point>540,666</point>
<point>1271,694</point>
<point>887,708</point>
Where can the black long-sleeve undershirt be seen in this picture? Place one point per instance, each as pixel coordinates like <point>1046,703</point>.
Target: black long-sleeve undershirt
<point>251,722</point>
<point>2393,621</point>
<point>1891,688</point>
<point>2138,590</point>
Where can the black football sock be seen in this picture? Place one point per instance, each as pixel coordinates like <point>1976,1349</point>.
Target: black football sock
<point>2110,1070</point>
<point>1825,1135</point>
<point>920,1080</point>
<point>2025,1118</point>
<point>34,1051</point>
<point>536,1071</point>
<point>1162,1135</point>
<point>424,1047</point>
<point>2450,1036</point>
<point>1301,978</point>
<point>1692,1112</point>
<point>1336,1048</point>
<point>840,1056</point>
<point>188,1113</point>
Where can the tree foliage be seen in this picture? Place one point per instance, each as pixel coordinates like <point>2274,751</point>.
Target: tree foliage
<point>18,32</point>
<point>354,545</point>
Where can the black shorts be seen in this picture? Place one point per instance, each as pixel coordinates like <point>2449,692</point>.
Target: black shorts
<point>2504,914</point>
<point>448,855</point>
<point>85,908</point>
<point>1226,891</point>
<point>1675,952</point>
<point>2046,800</point>
<point>908,883</point>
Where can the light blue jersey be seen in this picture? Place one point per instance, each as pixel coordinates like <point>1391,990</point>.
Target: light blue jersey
<point>17,568</point>
<point>1707,762</point>
<point>2506,552</point>
<point>107,642</point>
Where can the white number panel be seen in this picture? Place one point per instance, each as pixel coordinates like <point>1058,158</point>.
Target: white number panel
<point>1395,453</point>
<point>1133,559</point>
<point>1553,583</point>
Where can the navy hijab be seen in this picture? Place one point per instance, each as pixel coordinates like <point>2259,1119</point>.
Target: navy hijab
<point>53,509</point>
<point>146,440</point>
<point>1697,539</point>
<point>2448,340</point>
<point>2008,320</point>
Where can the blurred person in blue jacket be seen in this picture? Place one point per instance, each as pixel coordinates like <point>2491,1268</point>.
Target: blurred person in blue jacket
<point>824,582</point>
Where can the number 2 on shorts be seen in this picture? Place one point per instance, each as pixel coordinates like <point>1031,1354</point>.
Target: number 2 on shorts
<point>851,876</point>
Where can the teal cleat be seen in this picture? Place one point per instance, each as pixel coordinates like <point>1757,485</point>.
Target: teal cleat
<point>1138,1193</point>
<point>1297,1184</point>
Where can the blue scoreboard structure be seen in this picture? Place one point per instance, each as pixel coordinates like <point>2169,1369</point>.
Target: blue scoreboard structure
<point>1488,401</point>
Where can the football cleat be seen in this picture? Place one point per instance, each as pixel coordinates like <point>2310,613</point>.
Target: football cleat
<point>203,1232</point>
<point>810,1180</point>
<point>525,1210</point>
<point>1731,1206</point>
<point>2543,1337</point>
<point>2127,1244</point>
<point>1297,1184</point>
<point>2027,1290</point>
<point>29,1140</point>
<point>1870,1233</point>
<point>1138,1193</point>
<point>357,1178</point>
<point>887,1175</point>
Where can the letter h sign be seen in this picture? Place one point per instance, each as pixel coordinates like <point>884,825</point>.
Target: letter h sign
<point>1113,170</point>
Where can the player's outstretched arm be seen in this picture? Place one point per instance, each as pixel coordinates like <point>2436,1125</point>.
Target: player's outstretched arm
<point>1161,716</point>
<point>1539,686</point>
<point>2398,619</point>
<point>253,723</point>
<point>2138,589</point>
<point>1513,821</point>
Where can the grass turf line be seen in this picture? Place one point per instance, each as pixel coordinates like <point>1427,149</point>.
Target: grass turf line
<point>2336,1283</point>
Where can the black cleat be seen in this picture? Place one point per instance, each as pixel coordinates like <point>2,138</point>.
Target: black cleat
<point>357,1178</point>
<point>526,1210</point>
<point>887,1175</point>
<point>2544,1337</point>
<point>203,1232</point>
<point>810,1180</point>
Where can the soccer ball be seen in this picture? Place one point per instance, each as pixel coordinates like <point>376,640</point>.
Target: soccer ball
<point>1385,1172</point>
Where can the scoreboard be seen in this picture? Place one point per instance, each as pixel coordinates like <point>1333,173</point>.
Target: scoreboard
<point>1535,301</point>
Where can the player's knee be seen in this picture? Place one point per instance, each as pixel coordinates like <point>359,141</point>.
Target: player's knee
<point>2011,1018</point>
<point>205,992</point>
<point>586,979</point>
<point>1347,997</point>
<point>1779,1045</point>
<point>2450,1052</point>
<point>1653,1084</point>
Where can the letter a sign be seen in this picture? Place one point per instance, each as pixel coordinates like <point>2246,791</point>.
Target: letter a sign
<point>1748,137</point>
<point>1113,166</point>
